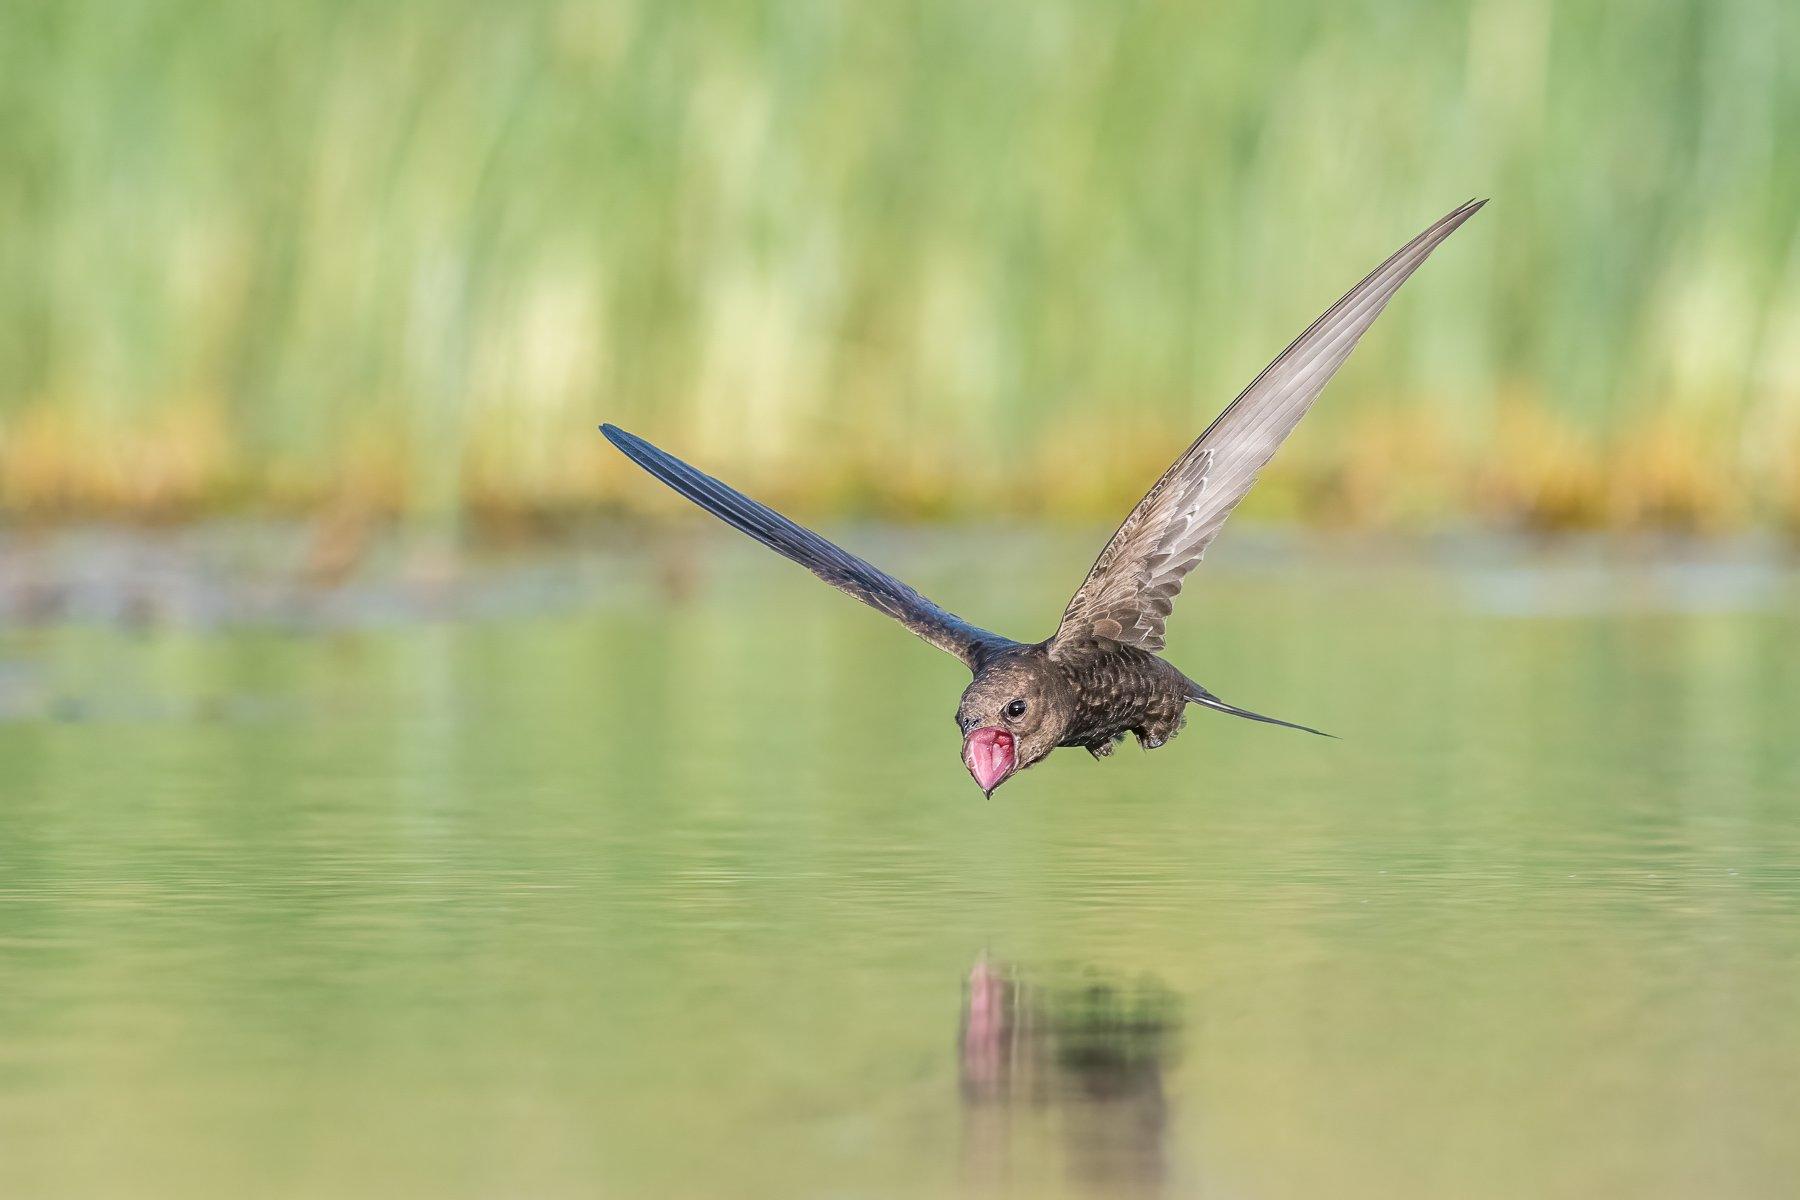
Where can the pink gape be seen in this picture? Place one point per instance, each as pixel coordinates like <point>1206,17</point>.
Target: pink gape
<point>988,753</point>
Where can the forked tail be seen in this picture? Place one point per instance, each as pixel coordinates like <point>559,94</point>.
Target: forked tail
<point>1200,695</point>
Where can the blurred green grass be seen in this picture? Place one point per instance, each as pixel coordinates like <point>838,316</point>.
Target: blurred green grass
<point>925,258</point>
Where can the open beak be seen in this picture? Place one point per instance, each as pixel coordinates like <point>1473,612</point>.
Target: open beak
<point>990,756</point>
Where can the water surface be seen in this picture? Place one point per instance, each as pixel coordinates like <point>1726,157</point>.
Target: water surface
<point>676,887</point>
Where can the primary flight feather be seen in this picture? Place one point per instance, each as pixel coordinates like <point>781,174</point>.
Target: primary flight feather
<point>1099,676</point>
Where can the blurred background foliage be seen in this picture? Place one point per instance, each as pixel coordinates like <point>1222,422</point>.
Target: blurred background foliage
<point>922,259</point>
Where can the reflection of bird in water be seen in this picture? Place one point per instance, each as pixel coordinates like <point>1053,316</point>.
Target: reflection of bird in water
<point>1088,1056</point>
<point>1100,675</point>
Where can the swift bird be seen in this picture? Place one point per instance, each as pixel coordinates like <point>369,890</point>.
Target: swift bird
<point>1099,676</point>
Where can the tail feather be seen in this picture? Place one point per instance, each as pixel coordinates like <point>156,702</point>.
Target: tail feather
<point>1200,695</point>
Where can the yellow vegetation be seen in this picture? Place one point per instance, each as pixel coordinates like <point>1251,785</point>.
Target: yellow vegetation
<point>1399,468</point>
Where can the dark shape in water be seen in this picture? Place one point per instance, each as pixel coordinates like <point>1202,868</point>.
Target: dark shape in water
<point>1091,1050</point>
<point>1099,676</point>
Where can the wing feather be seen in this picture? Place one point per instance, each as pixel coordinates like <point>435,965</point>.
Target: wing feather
<point>1131,588</point>
<point>829,562</point>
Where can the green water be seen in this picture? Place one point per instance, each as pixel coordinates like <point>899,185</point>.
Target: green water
<point>628,896</point>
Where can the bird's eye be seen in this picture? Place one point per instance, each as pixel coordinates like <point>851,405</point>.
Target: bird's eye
<point>1015,710</point>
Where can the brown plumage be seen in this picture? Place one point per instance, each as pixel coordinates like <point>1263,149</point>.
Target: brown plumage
<point>1099,676</point>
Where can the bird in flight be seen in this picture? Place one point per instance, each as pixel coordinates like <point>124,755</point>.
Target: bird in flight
<point>1100,675</point>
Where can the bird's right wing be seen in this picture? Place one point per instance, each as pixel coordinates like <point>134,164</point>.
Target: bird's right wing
<point>835,566</point>
<point>1131,587</point>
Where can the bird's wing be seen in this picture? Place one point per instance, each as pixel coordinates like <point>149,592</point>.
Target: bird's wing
<point>835,566</point>
<point>1132,586</point>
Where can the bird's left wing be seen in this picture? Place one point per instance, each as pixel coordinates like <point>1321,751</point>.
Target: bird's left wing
<point>834,565</point>
<point>1131,587</point>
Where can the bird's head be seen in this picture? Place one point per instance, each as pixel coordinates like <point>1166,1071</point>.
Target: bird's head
<point>1012,715</point>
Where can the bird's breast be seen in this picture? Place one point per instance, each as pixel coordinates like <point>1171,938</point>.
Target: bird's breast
<point>1114,693</point>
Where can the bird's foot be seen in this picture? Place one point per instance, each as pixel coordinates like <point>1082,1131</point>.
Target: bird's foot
<point>1104,746</point>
